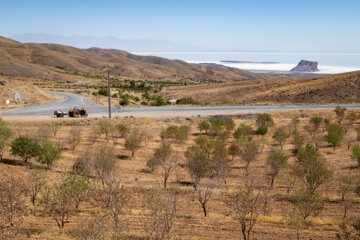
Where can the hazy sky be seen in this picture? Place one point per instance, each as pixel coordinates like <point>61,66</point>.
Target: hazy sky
<point>270,25</point>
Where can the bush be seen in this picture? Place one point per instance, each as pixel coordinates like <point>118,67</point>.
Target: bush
<point>177,134</point>
<point>25,147</point>
<point>265,119</point>
<point>159,101</point>
<point>123,129</point>
<point>187,100</point>
<point>124,102</point>
<point>103,91</point>
<point>132,144</point>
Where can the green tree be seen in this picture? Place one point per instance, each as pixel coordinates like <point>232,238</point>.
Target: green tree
<point>316,123</point>
<point>356,153</point>
<point>123,129</point>
<point>25,147</point>
<point>335,135</point>
<point>340,113</point>
<point>197,163</point>
<point>133,143</point>
<point>249,153</point>
<point>311,168</point>
<point>298,142</point>
<point>243,130</point>
<point>5,135</point>
<point>352,117</point>
<point>262,130</point>
<point>276,161</point>
<point>48,153</point>
<point>308,203</point>
<point>280,135</point>
<point>204,125</point>
<point>265,119</point>
<point>79,187</point>
<point>105,127</point>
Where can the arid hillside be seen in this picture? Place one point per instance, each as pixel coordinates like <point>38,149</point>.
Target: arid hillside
<point>48,60</point>
<point>338,88</point>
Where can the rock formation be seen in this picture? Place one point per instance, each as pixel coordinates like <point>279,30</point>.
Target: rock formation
<point>306,66</point>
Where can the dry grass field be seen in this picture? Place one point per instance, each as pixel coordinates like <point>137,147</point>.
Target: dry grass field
<point>189,220</point>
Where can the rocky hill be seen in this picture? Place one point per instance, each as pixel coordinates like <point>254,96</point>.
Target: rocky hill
<point>306,66</point>
<point>49,60</point>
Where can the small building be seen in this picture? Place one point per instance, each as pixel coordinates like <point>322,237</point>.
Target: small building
<point>173,101</point>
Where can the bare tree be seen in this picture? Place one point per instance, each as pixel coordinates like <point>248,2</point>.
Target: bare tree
<point>37,182</point>
<point>245,206</point>
<point>104,162</point>
<point>205,190</point>
<point>75,137</point>
<point>114,199</point>
<point>12,198</point>
<point>163,205</point>
<point>54,128</point>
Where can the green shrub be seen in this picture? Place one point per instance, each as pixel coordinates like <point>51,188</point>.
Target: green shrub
<point>104,91</point>
<point>48,153</point>
<point>187,100</point>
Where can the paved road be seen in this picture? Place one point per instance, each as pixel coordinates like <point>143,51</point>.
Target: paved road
<point>71,100</point>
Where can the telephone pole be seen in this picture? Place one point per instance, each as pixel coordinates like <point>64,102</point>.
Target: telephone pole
<point>109,91</point>
<point>9,70</point>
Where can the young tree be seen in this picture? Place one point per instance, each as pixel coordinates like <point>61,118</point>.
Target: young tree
<point>234,150</point>
<point>204,125</point>
<point>48,153</point>
<point>104,162</point>
<point>58,202</point>
<point>37,182</point>
<point>243,130</point>
<point>54,128</point>
<point>311,168</point>
<point>5,134</point>
<point>25,147</point>
<point>82,165</point>
<point>204,191</point>
<point>265,119</point>
<point>340,113</point>
<point>197,164</point>
<point>280,136</point>
<point>245,207</point>
<point>316,123</point>
<point>217,127</point>
<point>175,134</point>
<point>133,143</point>
<point>298,142</point>
<point>335,135</point>
<point>276,161</point>
<point>219,161</point>
<point>163,205</point>
<point>114,198</point>
<point>164,157</point>
<point>12,198</point>
<point>262,130</point>
<point>123,129</point>
<point>105,127</point>
<point>79,188</point>
<point>352,117</point>
<point>249,153</point>
<point>294,124</point>
<point>308,203</point>
<point>346,185</point>
<point>356,153</point>
<point>75,136</point>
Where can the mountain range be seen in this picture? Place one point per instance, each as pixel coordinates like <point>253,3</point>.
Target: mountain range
<point>44,60</point>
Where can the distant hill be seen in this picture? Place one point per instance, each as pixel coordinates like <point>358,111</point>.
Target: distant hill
<point>46,60</point>
<point>130,45</point>
<point>337,88</point>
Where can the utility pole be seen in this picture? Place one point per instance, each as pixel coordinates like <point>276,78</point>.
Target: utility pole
<point>9,70</point>
<point>109,91</point>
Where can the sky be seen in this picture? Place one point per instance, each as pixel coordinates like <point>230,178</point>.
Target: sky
<point>244,25</point>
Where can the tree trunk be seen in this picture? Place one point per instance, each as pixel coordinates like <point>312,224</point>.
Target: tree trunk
<point>272,181</point>
<point>204,209</point>
<point>165,182</point>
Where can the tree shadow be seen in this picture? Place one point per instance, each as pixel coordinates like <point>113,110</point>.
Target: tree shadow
<point>13,162</point>
<point>185,183</point>
<point>123,157</point>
